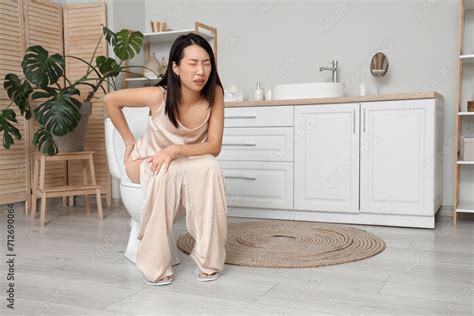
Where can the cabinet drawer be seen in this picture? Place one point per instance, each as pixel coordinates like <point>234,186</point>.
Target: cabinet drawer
<point>257,144</point>
<point>254,184</point>
<point>258,116</point>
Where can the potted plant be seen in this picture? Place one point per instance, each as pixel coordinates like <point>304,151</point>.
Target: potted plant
<point>59,108</point>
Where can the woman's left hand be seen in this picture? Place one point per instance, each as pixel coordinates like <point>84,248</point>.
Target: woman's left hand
<point>163,158</point>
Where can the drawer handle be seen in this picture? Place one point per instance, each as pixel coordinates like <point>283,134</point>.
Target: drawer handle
<point>241,177</point>
<point>241,116</point>
<point>239,144</point>
<point>353,121</point>
<point>365,117</point>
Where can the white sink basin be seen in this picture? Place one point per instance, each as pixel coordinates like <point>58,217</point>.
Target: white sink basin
<point>308,90</point>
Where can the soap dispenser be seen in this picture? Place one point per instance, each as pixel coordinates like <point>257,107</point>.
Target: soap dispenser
<point>259,93</point>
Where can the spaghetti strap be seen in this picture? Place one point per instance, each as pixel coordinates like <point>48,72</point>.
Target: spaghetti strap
<point>163,90</point>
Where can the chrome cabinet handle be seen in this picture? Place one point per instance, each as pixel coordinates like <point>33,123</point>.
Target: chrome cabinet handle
<point>241,116</point>
<point>241,177</point>
<point>364,119</point>
<point>353,121</point>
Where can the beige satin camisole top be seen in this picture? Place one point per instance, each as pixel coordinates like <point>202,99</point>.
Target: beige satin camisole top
<point>161,133</point>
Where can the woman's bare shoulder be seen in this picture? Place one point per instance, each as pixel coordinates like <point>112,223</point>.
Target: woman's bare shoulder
<point>154,95</point>
<point>136,97</point>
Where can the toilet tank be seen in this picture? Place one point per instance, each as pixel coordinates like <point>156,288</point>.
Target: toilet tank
<point>137,120</point>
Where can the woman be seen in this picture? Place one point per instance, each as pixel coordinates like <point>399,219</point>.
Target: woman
<point>175,162</point>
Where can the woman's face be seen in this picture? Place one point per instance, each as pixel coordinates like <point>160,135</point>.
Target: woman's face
<point>194,69</point>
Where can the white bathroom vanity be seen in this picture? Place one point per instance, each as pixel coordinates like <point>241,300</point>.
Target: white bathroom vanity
<point>373,160</point>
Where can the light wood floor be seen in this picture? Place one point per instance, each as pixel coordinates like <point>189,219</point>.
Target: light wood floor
<point>75,266</point>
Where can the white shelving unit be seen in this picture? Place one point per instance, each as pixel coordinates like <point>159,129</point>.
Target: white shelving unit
<point>167,37</point>
<point>463,170</point>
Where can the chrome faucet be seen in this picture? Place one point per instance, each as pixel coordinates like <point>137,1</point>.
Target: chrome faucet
<point>333,68</point>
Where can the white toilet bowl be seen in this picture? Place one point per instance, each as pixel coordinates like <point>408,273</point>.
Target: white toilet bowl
<point>131,193</point>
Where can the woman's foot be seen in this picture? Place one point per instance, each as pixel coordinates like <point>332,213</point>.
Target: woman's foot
<point>205,277</point>
<point>163,281</point>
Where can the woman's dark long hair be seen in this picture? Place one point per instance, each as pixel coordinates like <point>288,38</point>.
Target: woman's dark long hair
<point>171,82</point>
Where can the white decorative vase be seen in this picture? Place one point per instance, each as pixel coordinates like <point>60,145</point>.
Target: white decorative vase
<point>153,64</point>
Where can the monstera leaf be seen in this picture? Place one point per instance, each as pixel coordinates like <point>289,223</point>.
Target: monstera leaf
<point>18,92</point>
<point>60,113</point>
<point>128,44</point>
<point>44,142</point>
<point>7,128</point>
<point>110,36</point>
<point>40,68</point>
<point>108,66</point>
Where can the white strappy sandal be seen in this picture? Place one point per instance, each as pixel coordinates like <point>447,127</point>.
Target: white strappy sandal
<point>164,281</point>
<point>205,278</point>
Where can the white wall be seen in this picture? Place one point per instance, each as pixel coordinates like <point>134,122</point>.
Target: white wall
<point>287,41</point>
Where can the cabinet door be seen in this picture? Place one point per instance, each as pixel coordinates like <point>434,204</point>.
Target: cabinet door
<point>327,157</point>
<point>397,144</point>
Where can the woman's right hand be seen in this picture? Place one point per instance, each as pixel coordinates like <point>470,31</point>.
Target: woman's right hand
<point>128,151</point>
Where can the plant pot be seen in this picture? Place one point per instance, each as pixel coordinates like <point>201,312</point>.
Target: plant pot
<point>75,140</point>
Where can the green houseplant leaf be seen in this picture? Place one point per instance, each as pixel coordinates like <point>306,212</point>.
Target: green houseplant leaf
<point>40,68</point>
<point>60,113</point>
<point>128,44</point>
<point>108,66</point>
<point>7,128</point>
<point>110,36</point>
<point>44,142</point>
<point>18,92</point>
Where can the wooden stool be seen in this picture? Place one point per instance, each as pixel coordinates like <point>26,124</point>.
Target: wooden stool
<point>66,190</point>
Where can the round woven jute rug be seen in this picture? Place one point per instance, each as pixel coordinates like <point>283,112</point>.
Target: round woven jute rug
<point>293,244</point>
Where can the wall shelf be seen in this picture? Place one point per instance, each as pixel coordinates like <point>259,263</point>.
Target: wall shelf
<point>141,79</point>
<point>465,207</point>
<point>466,113</point>
<point>461,162</point>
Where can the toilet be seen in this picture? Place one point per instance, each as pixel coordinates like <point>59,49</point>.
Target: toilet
<point>131,193</point>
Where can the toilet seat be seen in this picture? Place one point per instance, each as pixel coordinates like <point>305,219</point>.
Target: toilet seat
<point>130,184</point>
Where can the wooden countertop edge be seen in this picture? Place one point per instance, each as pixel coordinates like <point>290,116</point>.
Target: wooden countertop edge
<point>348,99</point>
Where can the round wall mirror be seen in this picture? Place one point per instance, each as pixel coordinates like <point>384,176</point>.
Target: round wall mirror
<point>379,65</point>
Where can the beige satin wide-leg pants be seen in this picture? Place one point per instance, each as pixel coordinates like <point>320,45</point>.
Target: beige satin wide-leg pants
<point>197,184</point>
